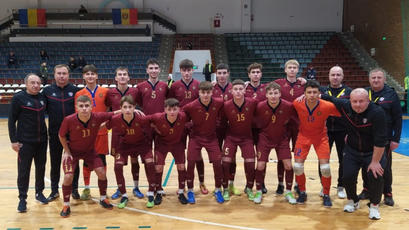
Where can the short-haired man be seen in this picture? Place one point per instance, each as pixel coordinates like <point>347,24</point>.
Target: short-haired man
<point>313,113</point>
<point>112,101</point>
<point>170,128</point>
<point>204,112</point>
<point>291,88</point>
<point>239,113</point>
<point>364,148</point>
<point>29,138</point>
<point>60,103</point>
<point>132,141</point>
<point>81,129</point>
<point>386,97</point>
<point>335,125</point>
<point>187,90</point>
<point>273,117</point>
<point>97,95</point>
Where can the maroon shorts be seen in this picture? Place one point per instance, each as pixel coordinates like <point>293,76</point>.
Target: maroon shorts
<point>245,144</point>
<point>265,145</point>
<point>92,160</point>
<point>194,150</point>
<point>144,150</point>
<point>177,151</point>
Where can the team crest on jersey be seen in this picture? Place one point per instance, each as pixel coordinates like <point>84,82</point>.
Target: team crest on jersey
<point>319,113</point>
<point>178,123</point>
<point>280,111</point>
<point>70,94</point>
<point>93,125</point>
<point>122,126</point>
<point>266,112</point>
<point>381,99</point>
<point>285,85</point>
<point>364,120</point>
<point>164,126</point>
<point>247,109</point>
<point>78,127</point>
<point>146,89</point>
<point>214,108</point>
<point>194,87</point>
<point>101,95</point>
<point>160,89</point>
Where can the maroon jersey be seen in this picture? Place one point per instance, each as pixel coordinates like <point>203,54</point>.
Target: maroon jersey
<point>240,119</point>
<point>257,93</point>
<point>113,98</point>
<point>223,93</point>
<point>130,133</point>
<point>168,133</point>
<point>203,117</point>
<point>184,93</point>
<point>290,91</point>
<point>152,97</point>
<point>81,136</point>
<point>273,122</point>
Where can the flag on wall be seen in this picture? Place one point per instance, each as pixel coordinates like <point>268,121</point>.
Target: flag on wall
<point>32,17</point>
<point>125,16</point>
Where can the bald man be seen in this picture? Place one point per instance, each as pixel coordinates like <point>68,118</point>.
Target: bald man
<point>335,125</point>
<point>364,148</point>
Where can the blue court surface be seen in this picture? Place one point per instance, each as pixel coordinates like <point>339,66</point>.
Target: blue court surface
<point>404,139</point>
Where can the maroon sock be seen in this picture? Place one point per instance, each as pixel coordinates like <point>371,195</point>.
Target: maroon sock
<point>280,171</point>
<point>289,177</point>
<point>226,173</point>
<point>200,170</point>
<point>181,178</point>
<point>102,185</point>
<point>190,175</point>
<point>259,179</point>
<point>66,192</point>
<point>119,175</point>
<point>159,181</point>
<point>135,170</point>
<point>232,170</point>
<point>151,175</point>
<point>218,173</point>
<point>249,170</point>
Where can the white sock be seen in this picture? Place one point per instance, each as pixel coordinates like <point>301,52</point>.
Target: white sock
<point>281,183</point>
<point>86,186</point>
<point>216,190</point>
<point>124,195</point>
<point>149,193</point>
<point>180,191</point>
<point>231,182</point>
<point>67,203</point>
<point>103,197</point>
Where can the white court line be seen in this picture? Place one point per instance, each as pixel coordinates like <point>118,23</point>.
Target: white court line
<point>185,219</point>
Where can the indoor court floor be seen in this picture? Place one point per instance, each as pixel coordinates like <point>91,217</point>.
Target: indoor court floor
<point>238,213</point>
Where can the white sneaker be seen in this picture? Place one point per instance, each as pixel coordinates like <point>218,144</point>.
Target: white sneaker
<point>290,197</point>
<point>341,193</point>
<point>351,206</point>
<point>374,212</point>
<point>322,192</point>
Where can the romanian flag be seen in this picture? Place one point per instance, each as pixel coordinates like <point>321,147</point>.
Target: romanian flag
<point>125,16</point>
<point>32,17</point>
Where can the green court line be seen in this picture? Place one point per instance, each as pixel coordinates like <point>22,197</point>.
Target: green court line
<point>144,226</point>
<point>13,228</point>
<point>112,227</point>
<point>46,228</point>
<point>165,182</point>
<point>79,227</point>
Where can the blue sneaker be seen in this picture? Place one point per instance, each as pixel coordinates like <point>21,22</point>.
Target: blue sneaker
<point>137,193</point>
<point>191,197</point>
<point>219,197</point>
<point>302,198</point>
<point>116,195</point>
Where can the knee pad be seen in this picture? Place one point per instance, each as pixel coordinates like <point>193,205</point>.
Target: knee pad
<point>325,170</point>
<point>298,168</point>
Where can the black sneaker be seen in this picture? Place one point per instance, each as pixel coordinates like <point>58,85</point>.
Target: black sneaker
<point>22,206</point>
<point>158,199</point>
<point>105,204</point>
<point>388,200</point>
<point>65,212</point>
<point>326,201</point>
<point>297,189</point>
<point>53,196</point>
<point>182,198</point>
<point>75,195</point>
<point>264,189</point>
<point>364,195</point>
<point>41,198</point>
<point>302,198</point>
<point>280,189</point>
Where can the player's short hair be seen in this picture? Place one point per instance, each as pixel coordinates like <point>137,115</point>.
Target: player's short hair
<point>90,68</point>
<point>83,98</point>
<point>292,62</point>
<point>121,68</point>
<point>186,64</point>
<point>29,75</point>
<point>152,61</point>
<point>238,82</point>
<point>171,102</point>
<point>223,66</point>
<point>272,86</point>
<point>311,84</point>
<point>254,65</point>
<point>377,69</point>
<point>127,98</point>
<point>205,86</point>
<point>61,66</point>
